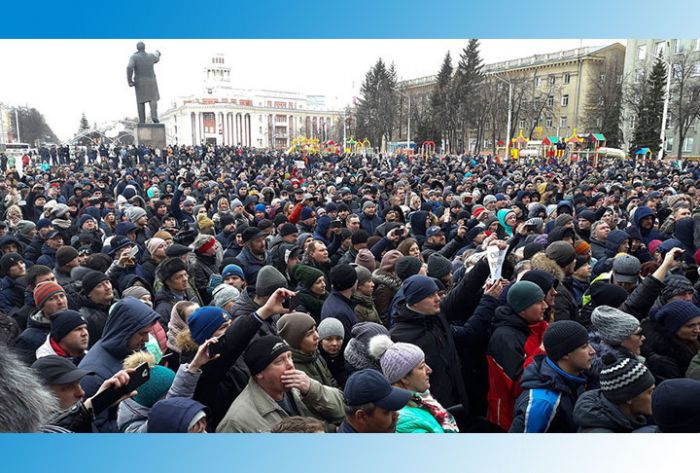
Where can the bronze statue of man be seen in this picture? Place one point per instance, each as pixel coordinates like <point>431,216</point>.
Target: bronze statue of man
<point>141,76</point>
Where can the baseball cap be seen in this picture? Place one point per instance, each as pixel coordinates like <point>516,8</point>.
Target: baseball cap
<point>370,386</point>
<point>626,269</point>
<point>434,230</point>
<point>55,369</point>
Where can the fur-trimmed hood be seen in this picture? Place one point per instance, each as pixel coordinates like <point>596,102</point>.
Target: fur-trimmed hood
<point>390,280</point>
<point>185,342</point>
<point>542,262</point>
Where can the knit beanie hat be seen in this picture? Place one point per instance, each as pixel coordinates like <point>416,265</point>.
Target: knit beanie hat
<point>418,287</point>
<point>407,266</point>
<point>44,291</point>
<point>582,247</point>
<point>293,327</point>
<point>153,244</point>
<point>204,321</point>
<point>306,213</point>
<point>360,236</point>
<point>136,292</point>
<point>8,261</point>
<point>613,325</point>
<point>343,277</point>
<point>366,259</point>
<point>563,337</point>
<point>675,285</point>
<point>204,222</point>
<point>674,315</point>
<point>587,215</point>
<point>170,267</point>
<point>604,293</point>
<point>268,281</point>
<point>543,279</point>
<point>561,252</point>
<point>531,249</point>
<point>288,229</point>
<point>65,255</point>
<point>438,266</point>
<point>396,359</point>
<point>134,213</point>
<point>562,220</point>
<point>23,227</point>
<point>262,351</point>
<point>624,379</point>
<point>232,270</point>
<point>64,322</point>
<point>363,275</point>
<point>223,294</point>
<point>388,263</point>
<point>675,405</point>
<point>306,275</point>
<point>91,279</point>
<point>523,294</point>
<point>156,387</point>
<point>330,327</point>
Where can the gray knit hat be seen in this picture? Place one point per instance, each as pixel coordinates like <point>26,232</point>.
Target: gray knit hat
<point>407,266</point>
<point>613,325</point>
<point>268,281</point>
<point>363,275</point>
<point>624,379</point>
<point>396,359</point>
<point>331,327</point>
<point>561,252</point>
<point>223,294</point>
<point>136,291</point>
<point>438,266</point>
<point>675,285</point>
<point>134,213</point>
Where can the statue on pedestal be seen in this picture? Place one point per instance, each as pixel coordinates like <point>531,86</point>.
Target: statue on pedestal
<point>141,76</point>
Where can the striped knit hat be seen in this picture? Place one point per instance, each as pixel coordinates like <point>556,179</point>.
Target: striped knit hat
<point>623,380</point>
<point>44,291</point>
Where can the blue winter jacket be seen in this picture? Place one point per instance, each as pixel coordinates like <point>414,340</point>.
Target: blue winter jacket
<point>548,399</point>
<point>11,294</point>
<point>105,358</point>
<point>340,307</point>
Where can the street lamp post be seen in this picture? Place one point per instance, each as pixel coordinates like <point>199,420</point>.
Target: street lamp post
<point>408,127</point>
<point>510,111</point>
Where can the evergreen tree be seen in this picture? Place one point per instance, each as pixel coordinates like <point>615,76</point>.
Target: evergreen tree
<point>467,79</point>
<point>647,129</point>
<point>84,124</point>
<point>377,107</point>
<point>442,101</point>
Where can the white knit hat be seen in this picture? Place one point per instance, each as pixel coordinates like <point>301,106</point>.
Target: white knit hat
<point>396,359</point>
<point>613,325</point>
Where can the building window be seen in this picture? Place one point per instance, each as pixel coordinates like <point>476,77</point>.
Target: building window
<point>669,144</point>
<point>688,144</point>
<point>660,48</point>
<point>697,45</point>
<point>567,78</point>
<point>538,81</point>
<point>563,122</point>
<point>521,124</point>
<point>642,52</point>
<point>599,123</point>
<point>679,46</point>
<point>564,100</point>
<point>552,80</point>
<point>639,76</point>
<point>550,100</point>
<point>549,123</point>
<point>696,71</point>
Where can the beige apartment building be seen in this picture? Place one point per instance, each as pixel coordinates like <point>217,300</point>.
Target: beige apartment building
<point>552,92</point>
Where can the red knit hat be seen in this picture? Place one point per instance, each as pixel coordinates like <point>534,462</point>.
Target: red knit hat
<point>44,291</point>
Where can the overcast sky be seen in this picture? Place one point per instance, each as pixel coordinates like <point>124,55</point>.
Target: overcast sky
<point>64,78</point>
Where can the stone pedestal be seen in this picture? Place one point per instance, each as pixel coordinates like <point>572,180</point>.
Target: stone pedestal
<point>151,135</point>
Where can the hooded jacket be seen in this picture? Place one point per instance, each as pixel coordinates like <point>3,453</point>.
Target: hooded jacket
<point>175,419</point>
<point>647,235</point>
<point>593,413</point>
<point>38,328</point>
<point>106,356</point>
<point>548,400</point>
<point>666,356</point>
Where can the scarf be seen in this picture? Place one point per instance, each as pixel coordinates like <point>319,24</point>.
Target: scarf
<point>427,402</point>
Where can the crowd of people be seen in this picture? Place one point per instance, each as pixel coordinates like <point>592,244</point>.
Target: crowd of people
<point>351,294</point>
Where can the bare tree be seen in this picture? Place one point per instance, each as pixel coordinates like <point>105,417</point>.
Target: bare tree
<point>684,106</point>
